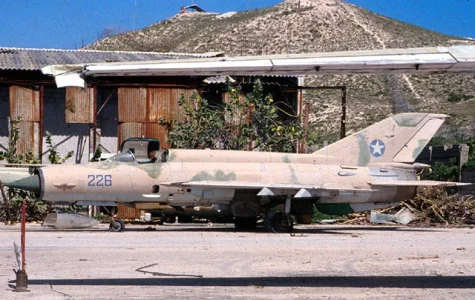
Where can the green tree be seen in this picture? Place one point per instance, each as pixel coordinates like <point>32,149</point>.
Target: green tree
<point>241,122</point>
<point>36,209</point>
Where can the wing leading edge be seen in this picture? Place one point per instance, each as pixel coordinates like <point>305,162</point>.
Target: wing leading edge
<point>279,189</point>
<point>309,191</point>
<point>408,183</point>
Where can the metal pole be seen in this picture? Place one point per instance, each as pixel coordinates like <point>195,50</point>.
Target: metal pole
<point>343,114</point>
<point>23,235</point>
<point>21,276</point>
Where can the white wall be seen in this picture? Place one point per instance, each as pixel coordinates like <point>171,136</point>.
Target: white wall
<point>66,137</point>
<point>4,113</point>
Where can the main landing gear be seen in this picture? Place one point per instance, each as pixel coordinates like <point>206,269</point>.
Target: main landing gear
<point>280,222</point>
<point>116,225</point>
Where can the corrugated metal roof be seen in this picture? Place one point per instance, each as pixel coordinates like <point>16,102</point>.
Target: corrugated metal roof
<point>29,59</point>
<point>220,79</point>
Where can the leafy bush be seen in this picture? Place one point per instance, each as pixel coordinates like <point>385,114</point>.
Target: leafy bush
<point>441,172</point>
<point>250,122</point>
<point>36,208</point>
<point>457,97</point>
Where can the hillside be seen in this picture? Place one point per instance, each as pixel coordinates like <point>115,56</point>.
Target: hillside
<point>320,26</point>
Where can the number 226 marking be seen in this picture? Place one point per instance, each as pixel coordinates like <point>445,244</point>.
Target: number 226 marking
<point>99,180</point>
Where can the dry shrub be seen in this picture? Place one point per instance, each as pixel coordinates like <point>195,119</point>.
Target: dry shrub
<point>436,205</point>
<point>432,205</point>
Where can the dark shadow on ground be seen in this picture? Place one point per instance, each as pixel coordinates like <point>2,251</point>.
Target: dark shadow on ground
<point>332,228</point>
<point>412,282</point>
<point>300,229</point>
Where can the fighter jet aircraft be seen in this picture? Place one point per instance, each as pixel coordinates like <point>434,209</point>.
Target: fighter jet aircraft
<point>373,168</point>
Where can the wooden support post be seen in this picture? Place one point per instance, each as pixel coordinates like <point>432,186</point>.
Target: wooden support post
<point>343,113</point>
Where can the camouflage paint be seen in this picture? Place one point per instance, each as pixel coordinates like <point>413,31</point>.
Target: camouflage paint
<point>108,165</point>
<point>218,176</point>
<point>286,159</point>
<point>418,150</point>
<point>171,156</point>
<point>153,170</point>
<point>408,120</point>
<point>293,176</point>
<point>322,175</point>
<point>363,158</point>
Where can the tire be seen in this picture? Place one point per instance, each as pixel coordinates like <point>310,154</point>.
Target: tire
<point>247,223</point>
<point>117,225</point>
<point>281,223</point>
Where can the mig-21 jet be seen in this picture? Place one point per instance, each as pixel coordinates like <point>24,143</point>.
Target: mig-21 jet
<point>373,168</point>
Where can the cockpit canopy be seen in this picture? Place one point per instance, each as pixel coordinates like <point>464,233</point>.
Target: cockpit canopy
<point>127,156</point>
<point>141,150</point>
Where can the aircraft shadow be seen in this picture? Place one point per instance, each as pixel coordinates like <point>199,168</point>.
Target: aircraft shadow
<point>302,229</point>
<point>332,228</point>
<point>413,282</point>
<point>323,229</point>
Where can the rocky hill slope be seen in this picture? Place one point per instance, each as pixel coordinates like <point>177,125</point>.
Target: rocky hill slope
<point>302,26</point>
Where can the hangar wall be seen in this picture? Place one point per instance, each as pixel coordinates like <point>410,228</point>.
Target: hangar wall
<point>66,136</point>
<point>104,115</point>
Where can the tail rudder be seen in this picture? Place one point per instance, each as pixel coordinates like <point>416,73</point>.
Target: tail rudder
<point>399,138</point>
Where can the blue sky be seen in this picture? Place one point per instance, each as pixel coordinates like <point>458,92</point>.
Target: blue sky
<point>69,24</point>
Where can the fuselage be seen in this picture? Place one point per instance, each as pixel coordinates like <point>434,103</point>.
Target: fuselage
<point>163,182</point>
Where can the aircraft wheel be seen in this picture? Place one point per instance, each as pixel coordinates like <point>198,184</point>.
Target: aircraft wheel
<point>117,225</point>
<point>281,223</point>
<point>248,223</point>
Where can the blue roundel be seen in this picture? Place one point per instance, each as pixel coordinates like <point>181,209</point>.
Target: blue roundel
<point>377,148</point>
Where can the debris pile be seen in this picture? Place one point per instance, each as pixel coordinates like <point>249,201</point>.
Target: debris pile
<point>436,205</point>
<point>430,206</point>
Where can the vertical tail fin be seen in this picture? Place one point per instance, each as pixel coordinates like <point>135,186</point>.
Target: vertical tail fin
<point>399,138</point>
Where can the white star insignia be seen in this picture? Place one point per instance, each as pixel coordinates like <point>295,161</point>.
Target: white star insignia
<point>377,148</point>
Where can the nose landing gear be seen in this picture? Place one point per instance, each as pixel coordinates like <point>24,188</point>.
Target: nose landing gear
<point>116,225</point>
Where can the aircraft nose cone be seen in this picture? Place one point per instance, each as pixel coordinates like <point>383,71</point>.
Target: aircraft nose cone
<point>31,183</point>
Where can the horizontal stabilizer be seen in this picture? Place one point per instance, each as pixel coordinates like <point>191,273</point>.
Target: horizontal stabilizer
<point>417,183</point>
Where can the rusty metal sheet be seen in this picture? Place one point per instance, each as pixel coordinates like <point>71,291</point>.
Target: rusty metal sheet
<point>25,103</point>
<point>130,129</point>
<point>79,105</point>
<point>235,118</point>
<point>161,104</point>
<point>29,137</point>
<point>155,130</point>
<point>128,212</point>
<point>132,104</point>
<point>177,112</point>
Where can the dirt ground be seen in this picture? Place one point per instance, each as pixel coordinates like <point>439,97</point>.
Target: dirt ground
<point>216,262</point>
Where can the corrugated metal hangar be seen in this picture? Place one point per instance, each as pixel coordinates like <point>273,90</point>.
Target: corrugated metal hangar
<point>110,109</point>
